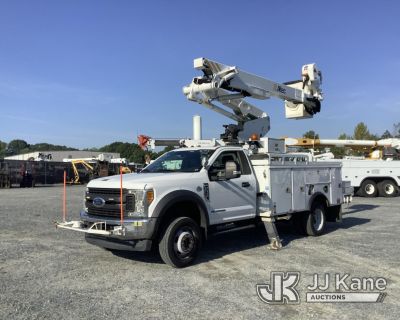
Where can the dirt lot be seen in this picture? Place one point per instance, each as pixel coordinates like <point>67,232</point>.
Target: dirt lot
<point>54,274</point>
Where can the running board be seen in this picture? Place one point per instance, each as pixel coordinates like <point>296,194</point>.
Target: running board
<point>215,233</point>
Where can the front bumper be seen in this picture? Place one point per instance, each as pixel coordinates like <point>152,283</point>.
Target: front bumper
<point>132,235</point>
<point>134,229</point>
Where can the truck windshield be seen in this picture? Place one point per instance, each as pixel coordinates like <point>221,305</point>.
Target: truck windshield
<point>179,161</point>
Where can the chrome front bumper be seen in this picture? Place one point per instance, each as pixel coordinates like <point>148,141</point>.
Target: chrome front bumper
<point>131,229</point>
<point>132,235</point>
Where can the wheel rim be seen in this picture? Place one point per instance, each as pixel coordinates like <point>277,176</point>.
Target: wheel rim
<point>184,243</point>
<point>369,189</point>
<point>389,189</point>
<point>318,219</point>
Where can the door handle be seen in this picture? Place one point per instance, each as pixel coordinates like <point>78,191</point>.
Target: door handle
<point>245,184</point>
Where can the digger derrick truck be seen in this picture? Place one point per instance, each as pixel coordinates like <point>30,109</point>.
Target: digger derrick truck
<point>208,186</point>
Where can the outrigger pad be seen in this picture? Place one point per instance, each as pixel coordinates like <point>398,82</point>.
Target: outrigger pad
<point>272,233</point>
<point>275,244</point>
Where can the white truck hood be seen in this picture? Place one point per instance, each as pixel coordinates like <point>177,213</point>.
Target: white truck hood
<point>139,181</point>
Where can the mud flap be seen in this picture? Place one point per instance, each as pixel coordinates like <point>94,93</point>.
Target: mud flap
<point>334,214</point>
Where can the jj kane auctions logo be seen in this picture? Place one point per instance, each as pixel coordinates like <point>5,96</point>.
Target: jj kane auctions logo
<point>326,289</point>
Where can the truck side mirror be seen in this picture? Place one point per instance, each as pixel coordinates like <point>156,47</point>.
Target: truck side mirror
<point>231,170</point>
<point>204,162</point>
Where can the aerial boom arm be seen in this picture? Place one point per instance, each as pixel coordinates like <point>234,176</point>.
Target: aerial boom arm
<point>229,86</point>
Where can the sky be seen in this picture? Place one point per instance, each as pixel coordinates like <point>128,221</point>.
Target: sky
<point>87,73</point>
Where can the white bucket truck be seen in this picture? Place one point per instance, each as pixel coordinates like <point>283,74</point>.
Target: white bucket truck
<point>209,186</point>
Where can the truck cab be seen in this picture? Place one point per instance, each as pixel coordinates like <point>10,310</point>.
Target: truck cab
<point>185,182</point>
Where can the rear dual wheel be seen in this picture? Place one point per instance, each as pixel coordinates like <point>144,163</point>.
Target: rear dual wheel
<point>315,220</point>
<point>311,223</point>
<point>387,188</point>
<point>368,189</point>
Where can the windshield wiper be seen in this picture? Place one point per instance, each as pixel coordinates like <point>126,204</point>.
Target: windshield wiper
<point>163,170</point>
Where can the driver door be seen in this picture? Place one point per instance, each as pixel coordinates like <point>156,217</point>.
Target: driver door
<point>233,199</point>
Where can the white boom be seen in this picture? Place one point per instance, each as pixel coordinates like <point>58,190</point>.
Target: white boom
<point>101,157</point>
<point>229,86</point>
<point>305,142</point>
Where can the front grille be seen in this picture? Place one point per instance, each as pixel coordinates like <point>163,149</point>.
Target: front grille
<point>106,191</point>
<point>112,199</point>
<point>114,211</point>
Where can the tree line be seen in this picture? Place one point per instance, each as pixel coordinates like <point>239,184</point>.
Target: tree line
<point>360,132</point>
<point>134,153</point>
<point>19,146</point>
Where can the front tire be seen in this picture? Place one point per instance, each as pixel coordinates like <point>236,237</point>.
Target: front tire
<point>369,189</point>
<point>180,242</point>
<point>315,220</point>
<point>387,188</point>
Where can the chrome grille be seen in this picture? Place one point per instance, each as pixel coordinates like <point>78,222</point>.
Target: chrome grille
<point>112,199</point>
<point>106,191</point>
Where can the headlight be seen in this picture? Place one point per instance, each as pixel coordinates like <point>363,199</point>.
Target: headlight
<point>143,199</point>
<point>139,203</point>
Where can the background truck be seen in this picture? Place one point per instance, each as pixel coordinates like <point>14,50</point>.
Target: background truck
<point>211,186</point>
<point>5,177</point>
<point>377,173</point>
<point>101,166</point>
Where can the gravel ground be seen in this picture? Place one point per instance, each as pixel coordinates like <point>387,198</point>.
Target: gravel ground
<point>54,274</point>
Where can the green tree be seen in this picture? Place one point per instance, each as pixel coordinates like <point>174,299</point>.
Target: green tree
<point>340,152</point>
<point>361,132</point>
<point>131,151</point>
<point>373,136</point>
<point>91,149</point>
<point>386,135</point>
<point>311,134</point>
<point>3,148</point>
<point>18,146</point>
<point>396,130</point>
<point>49,147</point>
<point>344,136</point>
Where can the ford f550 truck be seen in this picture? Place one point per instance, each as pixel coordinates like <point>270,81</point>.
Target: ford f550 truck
<point>209,186</point>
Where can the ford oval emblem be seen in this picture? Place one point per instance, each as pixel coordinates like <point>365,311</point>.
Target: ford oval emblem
<point>99,202</point>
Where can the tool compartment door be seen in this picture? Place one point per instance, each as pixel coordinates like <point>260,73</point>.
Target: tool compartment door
<point>336,194</point>
<point>298,190</point>
<point>281,189</point>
